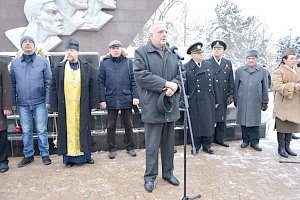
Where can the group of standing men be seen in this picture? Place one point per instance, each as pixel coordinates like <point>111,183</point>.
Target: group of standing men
<point>72,92</point>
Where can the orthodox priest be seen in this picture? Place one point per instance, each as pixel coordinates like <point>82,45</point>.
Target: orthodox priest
<point>73,95</point>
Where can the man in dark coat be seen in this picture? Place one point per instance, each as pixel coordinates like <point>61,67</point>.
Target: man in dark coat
<point>203,97</point>
<point>251,96</point>
<point>118,92</point>
<point>5,108</point>
<point>73,95</point>
<point>156,70</point>
<point>222,68</point>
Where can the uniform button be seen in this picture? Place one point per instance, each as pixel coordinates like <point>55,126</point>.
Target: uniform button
<point>198,90</point>
<point>209,79</point>
<point>198,85</point>
<point>224,89</point>
<point>225,81</point>
<point>224,72</point>
<point>209,85</point>
<point>208,74</point>
<point>216,80</point>
<point>209,90</point>
<point>197,80</point>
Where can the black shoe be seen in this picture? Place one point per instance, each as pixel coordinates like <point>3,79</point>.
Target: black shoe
<point>26,161</point>
<point>209,150</point>
<point>149,186</point>
<point>112,155</point>
<point>90,161</point>
<point>256,147</point>
<point>172,180</point>
<point>244,145</point>
<point>46,160</point>
<point>3,167</point>
<point>224,144</point>
<point>295,137</point>
<point>69,165</point>
<point>131,152</point>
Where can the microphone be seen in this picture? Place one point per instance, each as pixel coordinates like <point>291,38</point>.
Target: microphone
<point>177,53</point>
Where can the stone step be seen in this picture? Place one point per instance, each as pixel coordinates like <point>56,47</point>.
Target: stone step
<point>99,133</point>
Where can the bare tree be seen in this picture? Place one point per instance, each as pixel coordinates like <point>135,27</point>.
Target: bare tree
<point>159,15</point>
<point>240,33</point>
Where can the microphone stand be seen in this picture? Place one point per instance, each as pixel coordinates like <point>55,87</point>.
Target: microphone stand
<point>185,120</point>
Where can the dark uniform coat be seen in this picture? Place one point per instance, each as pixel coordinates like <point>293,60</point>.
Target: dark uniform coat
<point>225,84</point>
<point>88,100</point>
<point>5,94</point>
<point>251,90</point>
<point>202,94</point>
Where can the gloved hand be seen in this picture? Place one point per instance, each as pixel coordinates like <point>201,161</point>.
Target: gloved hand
<point>229,99</point>
<point>264,106</point>
<point>235,104</point>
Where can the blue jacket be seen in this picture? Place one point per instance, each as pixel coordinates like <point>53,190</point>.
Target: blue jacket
<point>116,82</point>
<point>30,80</point>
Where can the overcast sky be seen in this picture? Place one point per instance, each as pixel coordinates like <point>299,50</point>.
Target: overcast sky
<point>281,17</point>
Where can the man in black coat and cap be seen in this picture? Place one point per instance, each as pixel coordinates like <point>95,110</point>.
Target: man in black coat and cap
<point>222,69</point>
<point>203,97</point>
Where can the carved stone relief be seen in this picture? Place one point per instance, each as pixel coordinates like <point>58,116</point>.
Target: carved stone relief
<point>47,19</point>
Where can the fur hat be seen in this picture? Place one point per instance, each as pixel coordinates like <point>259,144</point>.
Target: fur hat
<point>251,53</point>
<point>287,52</point>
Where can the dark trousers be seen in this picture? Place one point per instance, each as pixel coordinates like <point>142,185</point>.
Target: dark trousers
<point>159,135</point>
<point>4,147</point>
<point>220,132</point>
<point>204,141</point>
<point>112,117</point>
<point>250,134</point>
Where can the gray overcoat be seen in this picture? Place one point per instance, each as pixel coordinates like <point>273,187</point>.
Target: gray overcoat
<point>151,72</point>
<point>251,90</point>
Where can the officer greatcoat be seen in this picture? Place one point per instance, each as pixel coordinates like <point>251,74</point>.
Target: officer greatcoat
<point>225,84</point>
<point>202,94</point>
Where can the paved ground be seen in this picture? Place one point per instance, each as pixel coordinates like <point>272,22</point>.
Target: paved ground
<point>232,173</point>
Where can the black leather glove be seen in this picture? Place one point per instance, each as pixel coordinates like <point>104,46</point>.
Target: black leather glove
<point>264,106</point>
<point>235,104</point>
